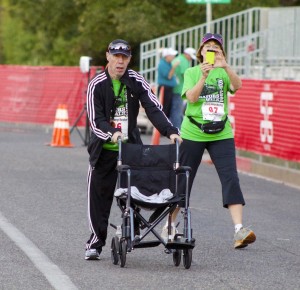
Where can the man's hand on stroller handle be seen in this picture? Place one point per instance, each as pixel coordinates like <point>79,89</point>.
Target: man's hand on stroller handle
<point>173,138</point>
<point>115,137</point>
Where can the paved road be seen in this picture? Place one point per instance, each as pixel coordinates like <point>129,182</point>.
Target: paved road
<point>43,228</point>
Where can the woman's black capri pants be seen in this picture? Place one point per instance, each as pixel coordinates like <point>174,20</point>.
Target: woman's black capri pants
<point>222,154</point>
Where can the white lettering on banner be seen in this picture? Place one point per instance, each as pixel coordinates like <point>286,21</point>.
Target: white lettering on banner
<point>18,91</point>
<point>266,126</point>
<point>231,107</point>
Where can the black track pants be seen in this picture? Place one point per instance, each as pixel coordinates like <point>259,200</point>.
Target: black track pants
<point>101,186</point>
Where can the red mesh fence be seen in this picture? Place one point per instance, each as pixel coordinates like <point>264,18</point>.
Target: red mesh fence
<point>31,94</point>
<point>264,113</point>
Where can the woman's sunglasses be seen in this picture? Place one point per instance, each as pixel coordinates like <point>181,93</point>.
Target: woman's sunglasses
<point>215,36</point>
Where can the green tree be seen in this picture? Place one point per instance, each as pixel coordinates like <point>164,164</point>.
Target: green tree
<point>51,32</point>
<point>136,21</point>
<point>43,35</point>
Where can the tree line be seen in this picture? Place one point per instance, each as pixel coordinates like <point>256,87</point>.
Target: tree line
<point>58,32</point>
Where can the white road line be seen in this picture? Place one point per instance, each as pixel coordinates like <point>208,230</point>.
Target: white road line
<point>57,278</point>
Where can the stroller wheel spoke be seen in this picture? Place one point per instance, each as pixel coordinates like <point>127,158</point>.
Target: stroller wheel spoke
<point>115,250</point>
<point>177,257</point>
<point>187,258</point>
<point>123,252</point>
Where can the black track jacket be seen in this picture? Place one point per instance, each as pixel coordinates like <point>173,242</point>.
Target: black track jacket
<point>100,100</point>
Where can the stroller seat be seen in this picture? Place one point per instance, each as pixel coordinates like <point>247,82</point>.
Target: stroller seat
<point>148,202</point>
<point>164,196</point>
<point>144,172</point>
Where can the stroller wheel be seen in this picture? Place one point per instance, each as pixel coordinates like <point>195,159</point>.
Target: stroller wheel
<point>177,257</point>
<point>187,258</point>
<point>123,252</point>
<point>115,250</point>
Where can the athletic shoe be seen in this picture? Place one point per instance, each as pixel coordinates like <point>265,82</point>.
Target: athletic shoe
<point>92,254</point>
<point>164,233</point>
<point>243,237</point>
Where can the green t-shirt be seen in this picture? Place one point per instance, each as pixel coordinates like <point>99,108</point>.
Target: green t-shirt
<point>179,72</point>
<point>121,105</point>
<point>213,96</point>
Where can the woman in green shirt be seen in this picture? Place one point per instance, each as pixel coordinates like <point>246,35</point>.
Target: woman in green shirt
<point>205,89</point>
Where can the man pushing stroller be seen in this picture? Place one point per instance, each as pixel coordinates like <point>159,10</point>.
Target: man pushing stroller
<point>113,99</point>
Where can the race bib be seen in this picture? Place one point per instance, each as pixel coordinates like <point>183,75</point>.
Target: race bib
<point>121,122</point>
<point>213,111</point>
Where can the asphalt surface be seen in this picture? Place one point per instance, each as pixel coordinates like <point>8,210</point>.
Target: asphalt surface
<point>43,228</point>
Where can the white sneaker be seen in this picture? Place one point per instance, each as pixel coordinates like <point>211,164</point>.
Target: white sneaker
<point>93,254</point>
<point>164,233</point>
<point>243,238</point>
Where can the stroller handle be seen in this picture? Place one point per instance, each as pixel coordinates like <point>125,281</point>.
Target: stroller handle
<point>120,140</point>
<point>177,153</point>
<point>119,161</point>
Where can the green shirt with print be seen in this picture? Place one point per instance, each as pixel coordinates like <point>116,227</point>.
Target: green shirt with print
<point>116,88</point>
<point>184,64</point>
<point>215,89</point>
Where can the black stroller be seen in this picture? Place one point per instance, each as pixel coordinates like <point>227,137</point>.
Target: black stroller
<point>151,169</point>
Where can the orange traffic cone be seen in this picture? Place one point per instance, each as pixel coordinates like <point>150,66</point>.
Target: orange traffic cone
<point>156,134</point>
<point>61,133</point>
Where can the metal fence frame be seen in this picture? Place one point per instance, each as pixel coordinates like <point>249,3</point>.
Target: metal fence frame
<point>251,41</point>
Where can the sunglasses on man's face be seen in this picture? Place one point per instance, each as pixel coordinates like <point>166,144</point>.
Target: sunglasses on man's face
<point>119,46</point>
<point>215,36</point>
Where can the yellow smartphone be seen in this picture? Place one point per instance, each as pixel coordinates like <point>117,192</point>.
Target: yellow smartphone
<point>210,57</point>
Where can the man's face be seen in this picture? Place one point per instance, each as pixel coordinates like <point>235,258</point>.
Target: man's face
<point>169,58</point>
<point>117,64</point>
